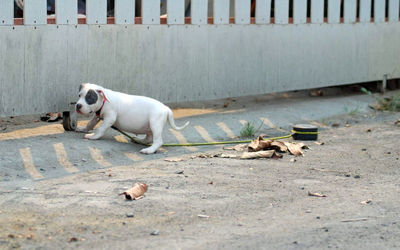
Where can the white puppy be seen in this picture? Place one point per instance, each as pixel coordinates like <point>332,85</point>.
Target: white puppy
<point>130,113</point>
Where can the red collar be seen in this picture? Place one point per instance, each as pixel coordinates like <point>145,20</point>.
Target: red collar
<point>99,111</point>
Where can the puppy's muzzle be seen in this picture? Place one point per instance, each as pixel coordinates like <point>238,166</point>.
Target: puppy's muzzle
<point>78,107</point>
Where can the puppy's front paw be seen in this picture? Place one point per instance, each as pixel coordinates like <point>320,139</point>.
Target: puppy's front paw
<point>147,151</point>
<point>82,129</point>
<point>89,136</point>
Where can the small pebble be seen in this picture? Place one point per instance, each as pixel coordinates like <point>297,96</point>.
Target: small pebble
<point>130,215</point>
<point>364,149</point>
<point>357,176</point>
<point>318,217</point>
<point>155,232</point>
<point>179,172</point>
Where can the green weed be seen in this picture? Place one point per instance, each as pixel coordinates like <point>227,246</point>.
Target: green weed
<point>384,103</point>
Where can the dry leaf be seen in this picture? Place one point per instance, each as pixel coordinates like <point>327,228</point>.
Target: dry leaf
<point>259,144</point>
<point>279,145</point>
<point>366,202</point>
<point>259,154</point>
<point>294,148</point>
<point>315,93</point>
<point>397,122</point>
<point>368,130</point>
<point>174,159</point>
<point>335,125</point>
<point>316,194</point>
<point>228,156</point>
<point>203,216</point>
<point>202,156</point>
<point>319,143</point>
<point>136,192</point>
<point>239,147</point>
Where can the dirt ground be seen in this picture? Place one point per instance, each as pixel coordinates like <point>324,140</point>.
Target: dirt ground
<point>215,203</point>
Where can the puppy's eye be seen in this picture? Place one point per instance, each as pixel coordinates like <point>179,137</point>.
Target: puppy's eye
<point>79,96</point>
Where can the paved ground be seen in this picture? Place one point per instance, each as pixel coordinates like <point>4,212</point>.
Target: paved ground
<point>60,191</point>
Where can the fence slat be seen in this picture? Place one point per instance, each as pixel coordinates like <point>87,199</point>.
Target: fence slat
<point>263,11</point>
<point>151,11</point>
<point>379,11</point>
<point>66,11</point>
<point>394,8</point>
<point>242,11</point>
<point>282,11</point>
<point>334,11</point>
<point>96,11</point>
<point>6,12</point>
<point>176,12</point>
<point>350,11</point>
<point>317,11</point>
<point>199,11</point>
<point>300,11</point>
<point>365,11</point>
<point>221,12</point>
<point>35,12</point>
<point>124,11</point>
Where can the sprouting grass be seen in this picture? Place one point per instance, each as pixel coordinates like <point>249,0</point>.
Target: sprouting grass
<point>384,103</point>
<point>248,130</point>
<point>352,111</point>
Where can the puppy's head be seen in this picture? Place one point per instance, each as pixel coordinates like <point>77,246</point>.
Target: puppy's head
<point>91,98</point>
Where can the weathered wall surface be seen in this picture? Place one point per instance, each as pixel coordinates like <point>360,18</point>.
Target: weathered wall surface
<point>41,67</point>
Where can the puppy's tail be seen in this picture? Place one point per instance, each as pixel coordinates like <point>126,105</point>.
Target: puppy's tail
<point>172,122</point>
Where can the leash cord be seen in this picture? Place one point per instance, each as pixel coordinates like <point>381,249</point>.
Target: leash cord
<point>214,143</point>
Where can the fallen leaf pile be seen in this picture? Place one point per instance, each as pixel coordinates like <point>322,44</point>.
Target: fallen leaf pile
<point>51,117</point>
<point>277,146</point>
<point>261,148</point>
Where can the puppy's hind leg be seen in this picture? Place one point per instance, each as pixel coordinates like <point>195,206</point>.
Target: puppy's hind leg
<point>156,135</point>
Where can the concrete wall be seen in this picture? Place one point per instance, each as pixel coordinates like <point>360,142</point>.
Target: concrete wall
<point>41,66</point>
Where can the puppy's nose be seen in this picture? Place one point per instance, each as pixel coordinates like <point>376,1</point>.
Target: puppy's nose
<point>78,106</point>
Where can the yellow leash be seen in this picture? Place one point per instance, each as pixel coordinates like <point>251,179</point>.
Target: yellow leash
<point>215,143</point>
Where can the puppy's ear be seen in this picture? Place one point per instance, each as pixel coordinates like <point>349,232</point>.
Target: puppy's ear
<point>101,92</point>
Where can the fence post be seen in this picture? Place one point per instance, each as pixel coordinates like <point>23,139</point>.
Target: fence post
<point>282,11</point>
<point>176,12</point>
<point>7,12</point>
<point>199,11</point>
<point>263,11</point>
<point>96,11</point>
<point>124,11</point>
<point>151,11</point>
<point>317,11</point>
<point>350,11</point>
<point>379,11</point>
<point>66,11</point>
<point>334,11</point>
<point>35,12</point>
<point>365,11</point>
<point>221,12</point>
<point>300,11</point>
<point>242,11</point>
<point>394,9</point>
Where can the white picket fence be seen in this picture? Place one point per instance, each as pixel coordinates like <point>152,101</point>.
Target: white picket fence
<point>44,59</point>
